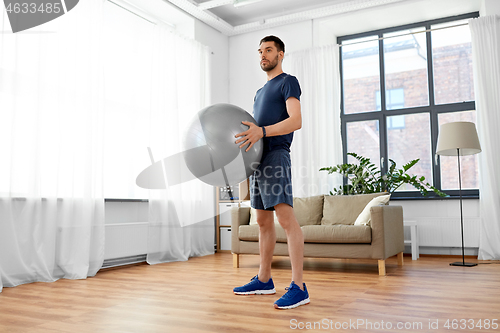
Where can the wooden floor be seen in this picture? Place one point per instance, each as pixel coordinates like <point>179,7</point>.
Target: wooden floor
<point>196,296</point>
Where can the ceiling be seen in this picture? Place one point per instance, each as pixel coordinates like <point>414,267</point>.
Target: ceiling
<point>262,14</point>
<point>262,10</point>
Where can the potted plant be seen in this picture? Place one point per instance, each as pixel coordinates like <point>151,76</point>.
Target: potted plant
<point>365,178</point>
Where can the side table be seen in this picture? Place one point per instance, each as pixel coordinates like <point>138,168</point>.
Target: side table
<point>413,241</point>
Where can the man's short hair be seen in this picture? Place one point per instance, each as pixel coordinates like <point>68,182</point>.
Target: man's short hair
<point>278,42</point>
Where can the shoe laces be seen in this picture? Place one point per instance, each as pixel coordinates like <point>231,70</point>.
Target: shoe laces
<point>291,291</point>
<point>252,281</point>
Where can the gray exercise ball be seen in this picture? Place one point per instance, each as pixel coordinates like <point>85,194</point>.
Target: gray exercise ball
<point>210,151</point>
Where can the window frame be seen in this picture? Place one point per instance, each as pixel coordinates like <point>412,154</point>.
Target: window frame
<point>432,109</point>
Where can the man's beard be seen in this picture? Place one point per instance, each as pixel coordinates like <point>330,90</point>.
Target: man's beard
<point>270,65</point>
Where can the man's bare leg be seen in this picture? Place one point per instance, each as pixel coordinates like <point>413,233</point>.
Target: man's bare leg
<point>267,241</point>
<point>295,240</point>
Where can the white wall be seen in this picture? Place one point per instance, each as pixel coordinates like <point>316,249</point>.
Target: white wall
<point>490,7</point>
<point>245,75</point>
<point>219,50</point>
<point>438,220</point>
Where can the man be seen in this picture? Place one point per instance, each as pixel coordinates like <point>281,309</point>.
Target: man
<point>277,111</point>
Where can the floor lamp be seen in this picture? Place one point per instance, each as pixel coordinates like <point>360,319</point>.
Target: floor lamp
<point>459,139</point>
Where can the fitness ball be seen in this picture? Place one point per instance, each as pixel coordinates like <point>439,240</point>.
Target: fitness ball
<point>210,151</point>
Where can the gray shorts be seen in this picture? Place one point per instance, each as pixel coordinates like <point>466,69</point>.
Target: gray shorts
<point>271,183</point>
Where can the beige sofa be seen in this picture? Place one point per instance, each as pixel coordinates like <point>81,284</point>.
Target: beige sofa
<point>327,223</point>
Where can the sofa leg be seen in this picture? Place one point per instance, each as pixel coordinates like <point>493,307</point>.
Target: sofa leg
<point>400,259</point>
<point>381,267</point>
<point>236,260</point>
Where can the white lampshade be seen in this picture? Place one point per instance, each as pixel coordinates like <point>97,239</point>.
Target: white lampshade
<point>460,134</point>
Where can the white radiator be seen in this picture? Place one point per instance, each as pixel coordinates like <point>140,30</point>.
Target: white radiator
<point>126,240</point>
<point>445,231</point>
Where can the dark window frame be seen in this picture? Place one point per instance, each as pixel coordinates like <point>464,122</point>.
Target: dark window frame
<point>432,109</point>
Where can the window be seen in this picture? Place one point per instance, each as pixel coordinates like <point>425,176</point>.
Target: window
<point>396,122</point>
<point>398,86</point>
<point>361,72</point>
<point>395,100</point>
<point>363,138</point>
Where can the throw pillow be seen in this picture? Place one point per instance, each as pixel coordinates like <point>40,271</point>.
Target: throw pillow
<point>344,209</point>
<point>365,217</point>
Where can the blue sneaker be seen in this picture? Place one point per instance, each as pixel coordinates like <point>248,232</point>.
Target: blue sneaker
<point>256,287</point>
<point>293,298</point>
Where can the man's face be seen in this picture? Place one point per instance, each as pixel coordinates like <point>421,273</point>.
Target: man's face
<point>269,56</point>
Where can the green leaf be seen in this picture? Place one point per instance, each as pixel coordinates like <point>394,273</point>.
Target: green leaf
<point>410,164</point>
<point>366,177</point>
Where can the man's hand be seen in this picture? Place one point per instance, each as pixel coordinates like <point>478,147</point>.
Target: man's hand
<point>250,136</point>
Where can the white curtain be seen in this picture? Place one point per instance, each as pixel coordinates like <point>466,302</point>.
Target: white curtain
<point>181,218</point>
<point>485,33</point>
<point>51,202</point>
<point>318,143</point>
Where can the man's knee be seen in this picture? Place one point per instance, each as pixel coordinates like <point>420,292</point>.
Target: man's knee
<point>286,217</point>
<point>265,219</point>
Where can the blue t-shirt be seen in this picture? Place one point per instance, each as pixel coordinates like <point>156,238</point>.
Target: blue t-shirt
<point>269,108</point>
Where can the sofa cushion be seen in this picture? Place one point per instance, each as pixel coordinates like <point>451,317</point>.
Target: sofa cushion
<point>353,234</point>
<point>365,217</point>
<point>308,211</point>
<point>251,233</point>
<point>344,209</point>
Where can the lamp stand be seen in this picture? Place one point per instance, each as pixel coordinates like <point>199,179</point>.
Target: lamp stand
<point>462,263</point>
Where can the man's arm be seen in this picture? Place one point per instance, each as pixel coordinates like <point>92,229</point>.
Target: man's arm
<point>292,123</point>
